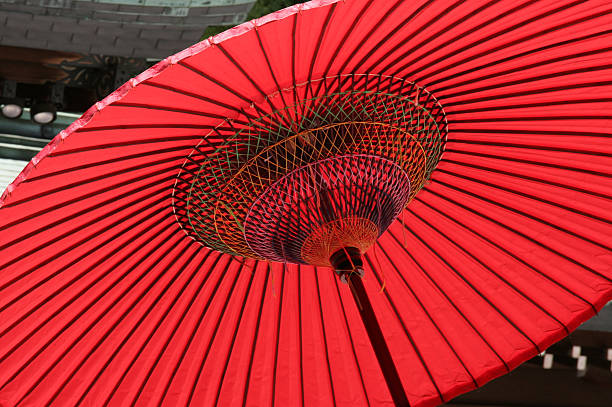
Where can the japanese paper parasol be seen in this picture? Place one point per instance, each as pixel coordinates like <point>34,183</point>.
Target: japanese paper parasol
<point>177,244</point>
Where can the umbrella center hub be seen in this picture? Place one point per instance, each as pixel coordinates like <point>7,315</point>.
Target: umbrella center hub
<point>321,207</point>
<point>300,183</point>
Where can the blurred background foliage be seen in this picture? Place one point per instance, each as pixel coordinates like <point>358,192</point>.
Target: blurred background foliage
<point>260,8</point>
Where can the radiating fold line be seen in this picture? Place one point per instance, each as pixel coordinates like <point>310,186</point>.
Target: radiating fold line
<point>33,215</point>
<point>192,335</point>
<point>237,328</point>
<point>517,106</point>
<point>323,334</point>
<point>101,177</point>
<point>93,164</point>
<point>125,143</point>
<point>529,80</point>
<point>144,293</point>
<point>350,338</point>
<point>77,316</point>
<point>499,34</point>
<point>529,92</point>
<point>273,110</point>
<point>526,195</point>
<point>169,308</point>
<point>431,22</point>
<point>450,301</point>
<point>254,341</point>
<point>249,102</point>
<point>536,242</point>
<point>231,294</point>
<point>510,254</point>
<point>147,106</point>
<point>275,369</point>
<point>476,291</point>
<point>491,271</point>
<point>525,215</point>
<point>526,161</point>
<point>75,230</point>
<point>472,30</point>
<point>413,344</point>
<point>137,221</point>
<point>431,319</point>
<point>521,68</point>
<point>72,216</point>
<point>526,146</point>
<point>529,178</point>
<point>517,118</point>
<point>159,355</point>
<point>146,314</point>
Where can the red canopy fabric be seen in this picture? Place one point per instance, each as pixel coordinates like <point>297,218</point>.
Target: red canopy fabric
<point>104,300</point>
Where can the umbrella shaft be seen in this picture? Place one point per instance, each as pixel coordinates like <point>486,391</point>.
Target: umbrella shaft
<point>377,340</point>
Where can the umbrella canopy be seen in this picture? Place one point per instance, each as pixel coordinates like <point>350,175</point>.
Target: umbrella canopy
<point>130,274</point>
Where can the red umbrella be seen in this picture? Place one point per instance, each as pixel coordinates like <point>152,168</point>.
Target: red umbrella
<point>173,245</point>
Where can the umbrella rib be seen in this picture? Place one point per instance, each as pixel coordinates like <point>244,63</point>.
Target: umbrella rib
<point>331,381</point>
<point>565,101</point>
<point>84,211</point>
<point>450,301</point>
<point>530,92</point>
<point>74,230</point>
<point>97,178</point>
<point>136,325</point>
<point>93,164</point>
<point>535,179</point>
<point>191,337</point>
<point>532,162</point>
<point>164,139</point>
<point>541,77</point>
<point>230,295</point>
<point>66,325</point>
<point>245,389</point>
<point>342,42</point>
<point>77,244</point>
<point>43,302</point>
<point>313,58</point>
<point>86,196</point>
<point>301,348</point>
<point>62,269</point>
<point>528,146</point>
<point>168,339</point>
<point>500,33</point>
<point>526,215</point>
<point>528,119</point>
<point>169,308</point>
<point>433,322</point>
<point>429,23</point>
<point>507,252</point>
<point>267,59</point>
<point>481,295</point>
<point>278,327</point>
<point>464,34</point>
<point>528,66</point>
<point>251,352</point>
<point>407,333</point>
<point>248,77</point>
<point>222,85</point>
<point>386,38</point>
<point>569,259</point>
<point>490,270</point>
<point>148,106</point>
<point>526,195</point>
<point>197,96</point>
<point>103,314</point>
<point>350,338</point>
